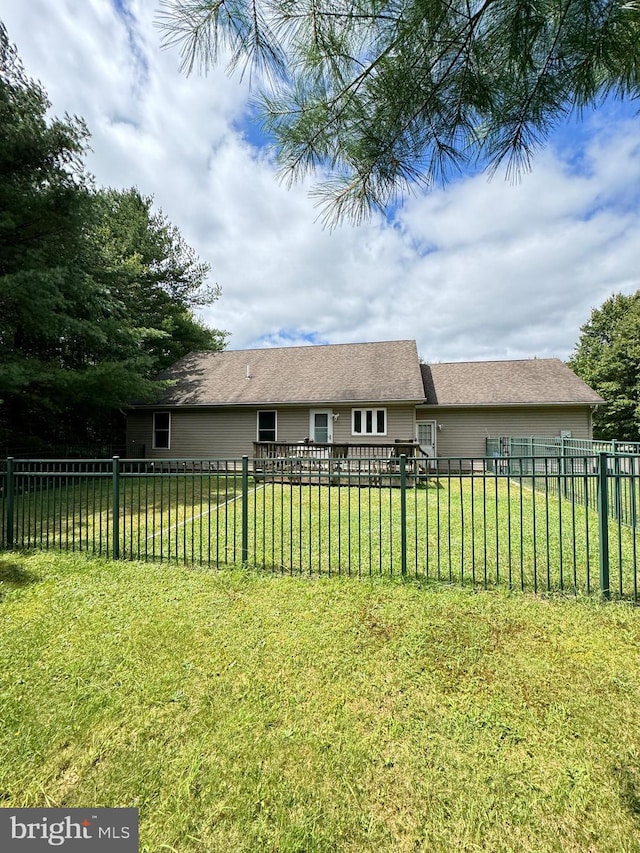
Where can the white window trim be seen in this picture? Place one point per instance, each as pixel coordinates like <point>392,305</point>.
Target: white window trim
<point>153,431</point>
<point>363,418</point>
<point>258,413</point>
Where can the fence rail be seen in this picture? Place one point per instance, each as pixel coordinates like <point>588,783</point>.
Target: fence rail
<point>132,450</point>
<point>566,524</point>
<point>557,445</point>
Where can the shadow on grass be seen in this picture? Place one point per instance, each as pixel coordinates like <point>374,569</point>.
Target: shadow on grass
<point>629,782</point>
<point>14,576</point>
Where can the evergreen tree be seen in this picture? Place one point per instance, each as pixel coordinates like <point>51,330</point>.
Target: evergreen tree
<point>97,292</point>
<point>607,357</point>
<point>387,94</point>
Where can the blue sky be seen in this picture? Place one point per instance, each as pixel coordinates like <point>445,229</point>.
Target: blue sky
<point>478,270</point>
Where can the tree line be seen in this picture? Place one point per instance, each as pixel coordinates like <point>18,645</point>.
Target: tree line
<point>98,291</point>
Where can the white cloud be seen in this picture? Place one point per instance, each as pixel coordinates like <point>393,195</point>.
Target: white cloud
<point>478,270</point>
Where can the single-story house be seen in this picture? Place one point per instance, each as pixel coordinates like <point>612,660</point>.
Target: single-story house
<point>356,396</point>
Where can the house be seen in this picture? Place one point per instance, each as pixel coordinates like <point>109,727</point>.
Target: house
<point>365,398</point>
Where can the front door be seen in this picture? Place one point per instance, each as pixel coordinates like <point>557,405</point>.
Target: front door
<point>321,426</point>
<point>426,437</point>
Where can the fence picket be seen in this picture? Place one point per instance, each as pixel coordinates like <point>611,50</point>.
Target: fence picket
<point>8,502</point>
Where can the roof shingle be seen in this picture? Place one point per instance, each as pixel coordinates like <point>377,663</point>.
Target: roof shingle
<point>339,373</point>
<point>535,381</point>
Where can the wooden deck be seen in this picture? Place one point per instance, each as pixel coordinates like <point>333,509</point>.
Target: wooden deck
<point>312,462</point>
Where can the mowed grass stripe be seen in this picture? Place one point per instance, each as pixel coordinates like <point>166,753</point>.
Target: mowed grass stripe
<point>205,512</point>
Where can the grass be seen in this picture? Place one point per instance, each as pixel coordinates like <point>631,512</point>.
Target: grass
<point>255,712</point>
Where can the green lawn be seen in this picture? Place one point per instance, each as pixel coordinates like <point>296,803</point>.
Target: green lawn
<point>244,711</point>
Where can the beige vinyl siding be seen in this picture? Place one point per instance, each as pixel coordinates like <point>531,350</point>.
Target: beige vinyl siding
<point>139,429</point>
<point>219,433</point>
<point>463,431</point>
<point>230,433</point>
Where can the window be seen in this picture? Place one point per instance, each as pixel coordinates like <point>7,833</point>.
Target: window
<point>162,430</point>
<point>369,422</point>
<point>267,426</point>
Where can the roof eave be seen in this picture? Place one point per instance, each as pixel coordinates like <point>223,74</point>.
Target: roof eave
<point>253,403</point>
<point>486,405</point>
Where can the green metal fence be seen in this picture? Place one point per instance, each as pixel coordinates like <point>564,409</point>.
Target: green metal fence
<point>486,522</point>
<point>567,456</point>
<point>557,445</point>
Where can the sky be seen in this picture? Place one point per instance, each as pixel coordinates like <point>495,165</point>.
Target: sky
<point>481,269</point>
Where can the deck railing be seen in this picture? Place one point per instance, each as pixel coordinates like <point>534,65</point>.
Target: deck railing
<point>335,450</point>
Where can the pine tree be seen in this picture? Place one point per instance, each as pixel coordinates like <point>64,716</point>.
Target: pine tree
<point>97,291</point>
<point>607,357</point>
<point>390,95</point>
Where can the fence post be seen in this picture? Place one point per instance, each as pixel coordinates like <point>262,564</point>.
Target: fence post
<point>618,503</point>
<point>245,510</point>
<point>563,468</point>
<point>632,494</point>
<point>403,513</point>
<point>603,524</point>
<point>9,502</point>
<point>115,508</point>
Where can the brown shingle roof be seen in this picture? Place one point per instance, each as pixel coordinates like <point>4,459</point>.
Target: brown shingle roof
<point>537,381</point>
<point>370,372</point>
